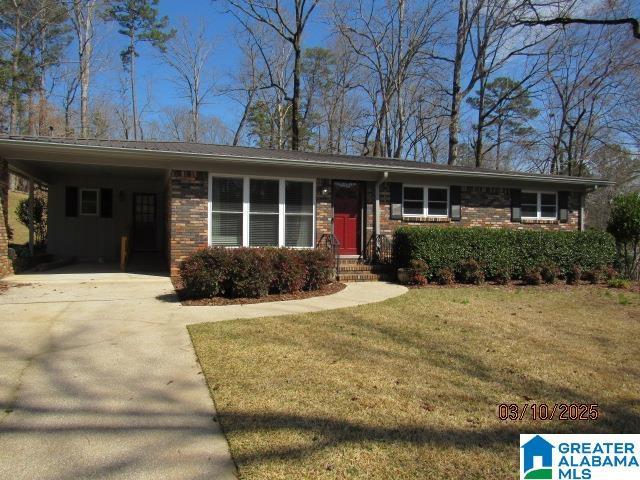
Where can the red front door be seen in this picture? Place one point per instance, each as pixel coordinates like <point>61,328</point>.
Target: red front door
<point>346,216</point>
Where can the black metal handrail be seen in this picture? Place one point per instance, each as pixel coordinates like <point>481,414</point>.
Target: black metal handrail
<point>379,250</point>
<point>331,243</point>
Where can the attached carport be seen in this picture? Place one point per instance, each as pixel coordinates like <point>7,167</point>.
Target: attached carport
<point>101,207</point>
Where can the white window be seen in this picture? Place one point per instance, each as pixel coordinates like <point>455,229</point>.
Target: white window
<point>261,212</point>
<point>419,201</point>
<point>89,201</point>
<point>539,205</point>
<point>226,211</point>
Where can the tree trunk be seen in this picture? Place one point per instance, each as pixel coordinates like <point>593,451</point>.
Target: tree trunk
<point>132,72</point>
<point>498,145</point>
<point>295,102</point>
<point>243,120</point>
<point>454,118</point>
<point>13,92</point>
<point>480,127</point>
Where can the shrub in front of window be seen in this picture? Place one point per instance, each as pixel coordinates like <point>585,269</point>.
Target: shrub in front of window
<point>290,273</point>
<point>532,276</point>
<point>250,273</point>
<point>470,271</point>
<point>320,268</point>
<point>574,275</point>
<point>254,272</point>
<point>549,272</point>
<point>204,273</point>
<point>497,250</point>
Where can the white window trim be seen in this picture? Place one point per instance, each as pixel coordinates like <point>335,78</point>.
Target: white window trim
<point>425,201</point>
<point>539,194</point>
<point>246,179</point>
<point>80,212</point>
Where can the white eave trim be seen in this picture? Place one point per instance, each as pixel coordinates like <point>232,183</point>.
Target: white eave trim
<point>204,157</point>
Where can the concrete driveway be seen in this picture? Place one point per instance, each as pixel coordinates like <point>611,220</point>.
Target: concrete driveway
<point>98,379</point>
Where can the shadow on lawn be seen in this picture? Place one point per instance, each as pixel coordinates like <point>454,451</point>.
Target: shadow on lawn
<point>329,432</point>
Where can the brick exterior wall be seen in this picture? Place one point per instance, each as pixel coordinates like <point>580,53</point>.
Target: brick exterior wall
<point>6,267</point>
<point>481,207</point>
<point>324,208</point>
<point>187,215</point>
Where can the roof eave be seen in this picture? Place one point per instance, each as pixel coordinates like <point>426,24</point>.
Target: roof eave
<point>167,154</point>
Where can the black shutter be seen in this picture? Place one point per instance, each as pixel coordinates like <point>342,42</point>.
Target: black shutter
<point>395,197</point>
<point>515,205</point>
<point>563,207</point>
<point>71,201</point>
<point>106,202</point>
<point>455,202</point>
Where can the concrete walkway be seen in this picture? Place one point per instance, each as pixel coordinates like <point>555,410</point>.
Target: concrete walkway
<point>99,378</point>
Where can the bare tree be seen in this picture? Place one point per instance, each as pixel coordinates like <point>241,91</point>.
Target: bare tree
<point>189,54</point>
<point>289,24</point>
<point>82,13</point>
<point>393,42</point>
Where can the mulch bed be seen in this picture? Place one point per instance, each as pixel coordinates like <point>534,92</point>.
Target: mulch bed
<point>218,301</point>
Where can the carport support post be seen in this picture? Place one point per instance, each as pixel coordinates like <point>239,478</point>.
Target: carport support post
<point>31,207</point>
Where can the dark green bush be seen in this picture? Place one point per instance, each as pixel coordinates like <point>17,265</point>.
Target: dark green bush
<point>502,276</point>
<point>532,276</point>
<point>549,272</point>
<point>499,250</point>
<point>594,276</point>
<point>250,273</point>
<point>289,271</point>
<point>574,275</point>
<point>320,268</point>
<point>254,272</point>
<point>470,271</point>
<point>445,276</point>
<point>204,273</point>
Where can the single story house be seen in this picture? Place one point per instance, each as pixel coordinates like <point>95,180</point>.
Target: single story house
<point>173,198</point>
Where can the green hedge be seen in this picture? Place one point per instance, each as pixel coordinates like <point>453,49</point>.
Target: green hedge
<point>503,250</point>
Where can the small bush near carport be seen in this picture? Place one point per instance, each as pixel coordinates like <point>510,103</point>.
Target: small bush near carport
<point>254,272</point>
<point>503,252</point>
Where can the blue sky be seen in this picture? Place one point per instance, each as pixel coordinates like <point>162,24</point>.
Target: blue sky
<point>219,27</point>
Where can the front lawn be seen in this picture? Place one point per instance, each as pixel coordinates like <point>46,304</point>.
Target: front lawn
<point>410,388</point>
<point>20,232</point>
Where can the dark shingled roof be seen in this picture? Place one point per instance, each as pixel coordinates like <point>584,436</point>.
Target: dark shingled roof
<point>268,154</point>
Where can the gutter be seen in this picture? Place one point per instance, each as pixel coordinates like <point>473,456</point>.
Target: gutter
<point>203,157</point>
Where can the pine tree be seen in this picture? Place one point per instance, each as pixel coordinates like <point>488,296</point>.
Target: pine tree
<point>139,22</point>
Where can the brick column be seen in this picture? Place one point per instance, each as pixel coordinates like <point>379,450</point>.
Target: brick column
<point>189,197</point>
<point>5,264</point>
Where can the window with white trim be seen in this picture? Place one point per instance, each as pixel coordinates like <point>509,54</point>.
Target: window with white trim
<point>419,201</point>
<point>89,201</point>
<point>261,212</point>
<point>539,205</point>
<point>226,211</point>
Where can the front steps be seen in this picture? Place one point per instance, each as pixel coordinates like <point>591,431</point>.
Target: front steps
<point>353,270</point>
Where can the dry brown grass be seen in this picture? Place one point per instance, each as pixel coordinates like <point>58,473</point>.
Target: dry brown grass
<point>409,388</point>
<point>20,232</point>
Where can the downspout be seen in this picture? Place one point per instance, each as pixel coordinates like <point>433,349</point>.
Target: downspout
<point>380,181</point>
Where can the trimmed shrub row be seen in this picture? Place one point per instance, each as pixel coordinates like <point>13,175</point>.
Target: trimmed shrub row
<point>478,253</point>
<point>254,272</point>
